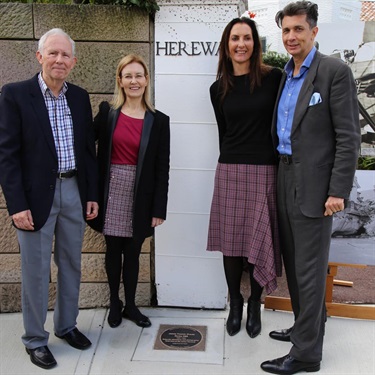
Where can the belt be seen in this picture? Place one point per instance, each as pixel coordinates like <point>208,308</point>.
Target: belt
<point>286,159</point>
<point>67,174</point>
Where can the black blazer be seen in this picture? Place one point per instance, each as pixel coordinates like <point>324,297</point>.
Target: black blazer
<point>28,158</point>
<point>152,176</point>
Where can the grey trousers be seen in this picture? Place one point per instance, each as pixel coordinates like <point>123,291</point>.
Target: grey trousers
<point>65,225</point>
<point>305,243</point>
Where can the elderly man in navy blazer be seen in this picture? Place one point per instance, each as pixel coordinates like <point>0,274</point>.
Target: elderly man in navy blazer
<point>48,174</point>
<point>317,134</point>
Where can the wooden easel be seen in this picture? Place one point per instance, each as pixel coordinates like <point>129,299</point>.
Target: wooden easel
<point>333,309</point>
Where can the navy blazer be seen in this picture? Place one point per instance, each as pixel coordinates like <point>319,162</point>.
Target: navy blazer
<point>325,136</point>
<point>152,174</point>
<point>28,158</point>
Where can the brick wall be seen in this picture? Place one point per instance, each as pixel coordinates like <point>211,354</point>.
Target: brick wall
<point>103,35</point>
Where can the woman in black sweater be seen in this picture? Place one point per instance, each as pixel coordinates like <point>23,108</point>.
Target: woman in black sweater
<point>243,220</point>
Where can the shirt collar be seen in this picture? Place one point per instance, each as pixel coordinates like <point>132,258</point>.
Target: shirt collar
<point>305,65</point>
<point>43,86</point>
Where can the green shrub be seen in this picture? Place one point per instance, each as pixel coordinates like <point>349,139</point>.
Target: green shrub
<point>366,163</point>
<point>275,59</point>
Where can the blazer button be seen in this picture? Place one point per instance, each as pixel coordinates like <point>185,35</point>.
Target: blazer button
<point>51,187</point>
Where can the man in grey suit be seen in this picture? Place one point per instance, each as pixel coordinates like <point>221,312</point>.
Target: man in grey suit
<point>317,134</point>
<point>48,174</point>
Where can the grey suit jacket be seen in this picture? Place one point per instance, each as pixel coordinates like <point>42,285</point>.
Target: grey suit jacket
<point>325,136</point>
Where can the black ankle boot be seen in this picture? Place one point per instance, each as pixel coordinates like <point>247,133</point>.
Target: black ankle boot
<point>253,323</point>
<point>235,316</point>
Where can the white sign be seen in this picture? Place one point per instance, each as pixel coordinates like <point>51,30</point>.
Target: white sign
<point>187,36</point>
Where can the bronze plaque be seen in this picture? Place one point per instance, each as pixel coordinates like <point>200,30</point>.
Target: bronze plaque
<point>181,337</point>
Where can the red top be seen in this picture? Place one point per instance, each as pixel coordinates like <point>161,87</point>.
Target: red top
<point>126,140</point>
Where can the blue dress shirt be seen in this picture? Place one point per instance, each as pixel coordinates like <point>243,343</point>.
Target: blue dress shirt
<point>288,101</point>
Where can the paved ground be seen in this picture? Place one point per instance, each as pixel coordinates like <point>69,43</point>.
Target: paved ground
<point>349,346</point>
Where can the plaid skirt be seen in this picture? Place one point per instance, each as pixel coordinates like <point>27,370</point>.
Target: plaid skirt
<point>243,219</point>
<point>119,214</point>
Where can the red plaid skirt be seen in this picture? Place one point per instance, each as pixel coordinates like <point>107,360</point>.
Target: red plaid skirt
<point>243,220</point>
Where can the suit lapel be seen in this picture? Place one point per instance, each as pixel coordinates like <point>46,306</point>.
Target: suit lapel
<point>40,109</point>
<point>306,92</point>
<point>145,137</point>
<point>113,115</point>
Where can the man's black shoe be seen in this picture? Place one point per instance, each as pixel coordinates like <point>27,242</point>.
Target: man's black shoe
<point>282,334</point>
<point>42,357</point>
<point>287,365</point>
<point>76,339</point>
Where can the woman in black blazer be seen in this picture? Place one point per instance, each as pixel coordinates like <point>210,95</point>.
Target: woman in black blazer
<point>133,156</point>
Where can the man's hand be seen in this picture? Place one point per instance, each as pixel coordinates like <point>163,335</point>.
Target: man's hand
<point>333,205</point>
<point>23,220</point>
<point>91,210</point>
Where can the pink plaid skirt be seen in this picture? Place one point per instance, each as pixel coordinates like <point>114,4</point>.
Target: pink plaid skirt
<point>243,220</point>
<point>119,214</point>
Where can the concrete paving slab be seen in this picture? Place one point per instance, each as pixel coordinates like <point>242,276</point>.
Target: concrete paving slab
<point>15,360</point>
<point>348,349</point>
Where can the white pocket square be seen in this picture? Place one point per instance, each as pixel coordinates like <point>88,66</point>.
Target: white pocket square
<point>315,99</point>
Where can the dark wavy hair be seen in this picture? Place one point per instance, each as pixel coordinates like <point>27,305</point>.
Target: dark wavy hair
<point>296,9</point>
<point>225,66</point>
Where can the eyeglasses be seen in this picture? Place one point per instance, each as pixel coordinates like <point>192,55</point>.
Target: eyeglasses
<point>129,77</point>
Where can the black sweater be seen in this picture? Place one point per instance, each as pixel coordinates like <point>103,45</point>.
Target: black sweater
<point>244,120</point>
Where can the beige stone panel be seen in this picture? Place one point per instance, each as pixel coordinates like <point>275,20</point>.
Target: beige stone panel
<point>93,269</point>
<point>10,265</point>
<point>92,266</point>
<point>17,60</point>
<point>95,70</point>
<point>2,199</point>
<point>93,241</point>
<point>52,296</point>
<point>16,21</point>
<point>97,62</point>
<point>93,295</point>
<point>96,99</point>
<point>144,268</point>
<point>146,246</point>
<point>8,237</point>
<point>10,297</point>
<point>87,22</point>
<point>143,296</point>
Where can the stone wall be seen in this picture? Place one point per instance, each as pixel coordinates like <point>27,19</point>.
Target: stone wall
<point>103,35</point>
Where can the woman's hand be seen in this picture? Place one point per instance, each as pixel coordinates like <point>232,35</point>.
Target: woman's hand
<point>156,221</point>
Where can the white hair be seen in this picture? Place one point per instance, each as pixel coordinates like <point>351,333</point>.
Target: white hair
<point>52,32</point>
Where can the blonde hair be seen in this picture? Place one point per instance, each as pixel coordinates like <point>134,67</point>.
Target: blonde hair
<point>119,96</point>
